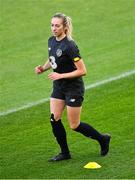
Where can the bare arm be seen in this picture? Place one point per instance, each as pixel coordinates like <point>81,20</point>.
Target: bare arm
<point>46,66</point>
<point>80,71</point>
<point>40,69</point>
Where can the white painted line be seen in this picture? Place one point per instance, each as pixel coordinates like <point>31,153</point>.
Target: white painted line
<point>9,111</point>
<point>105,81</point>
<point>96,84</point>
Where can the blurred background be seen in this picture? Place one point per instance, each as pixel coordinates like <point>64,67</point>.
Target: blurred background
<point>103,29</point>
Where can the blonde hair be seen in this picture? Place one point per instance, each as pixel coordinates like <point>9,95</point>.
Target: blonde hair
<point>67,22</point>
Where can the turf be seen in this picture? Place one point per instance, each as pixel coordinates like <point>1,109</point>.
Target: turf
<point>104,31</point>
<point>27,142</point>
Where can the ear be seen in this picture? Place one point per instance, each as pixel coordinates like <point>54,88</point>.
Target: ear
<point>65,29</point>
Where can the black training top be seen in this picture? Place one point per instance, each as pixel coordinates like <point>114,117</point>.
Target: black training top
<point>63,54</point>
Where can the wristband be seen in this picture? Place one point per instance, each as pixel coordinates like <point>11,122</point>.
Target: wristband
<point>41,69</point>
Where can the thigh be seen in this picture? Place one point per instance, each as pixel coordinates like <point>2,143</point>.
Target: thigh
<point>73,114</point>
<point>57,107</point>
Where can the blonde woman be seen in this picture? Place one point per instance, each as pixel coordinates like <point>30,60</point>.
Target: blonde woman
<point>68,87</point>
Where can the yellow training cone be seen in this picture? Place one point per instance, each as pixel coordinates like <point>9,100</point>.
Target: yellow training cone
<point>92,165</point>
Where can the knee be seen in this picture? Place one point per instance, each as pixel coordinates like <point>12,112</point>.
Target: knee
<point>73,126</point>
<point>56,116</point>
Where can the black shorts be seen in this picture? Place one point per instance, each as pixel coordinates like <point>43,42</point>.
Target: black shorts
<point>72,91</point>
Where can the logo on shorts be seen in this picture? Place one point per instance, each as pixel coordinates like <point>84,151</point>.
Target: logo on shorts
<point>72,100</point>
<point>49,48</point>
<point>59,52</point>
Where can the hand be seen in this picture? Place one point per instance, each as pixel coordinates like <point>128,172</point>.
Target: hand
<point>39,69</point>
<point>54,76</point>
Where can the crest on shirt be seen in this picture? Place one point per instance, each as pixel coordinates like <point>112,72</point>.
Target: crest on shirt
<point>59,52</point>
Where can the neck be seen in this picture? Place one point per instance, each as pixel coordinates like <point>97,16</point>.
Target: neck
<point>59,38</point>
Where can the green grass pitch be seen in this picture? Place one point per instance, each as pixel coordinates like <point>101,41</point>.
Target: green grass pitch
<point>104,31</point>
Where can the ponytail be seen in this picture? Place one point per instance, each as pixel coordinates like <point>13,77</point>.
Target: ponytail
<point>67,22</point>
<point>69,28</point>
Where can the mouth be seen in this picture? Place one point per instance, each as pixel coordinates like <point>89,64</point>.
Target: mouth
<point>55,33</point>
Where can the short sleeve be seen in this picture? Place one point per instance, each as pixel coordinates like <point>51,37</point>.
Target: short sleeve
<point>73,51</point>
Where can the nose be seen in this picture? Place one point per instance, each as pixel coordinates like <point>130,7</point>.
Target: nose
<point>53,28</point>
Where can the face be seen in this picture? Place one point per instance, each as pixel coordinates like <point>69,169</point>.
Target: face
<point>57,27</point>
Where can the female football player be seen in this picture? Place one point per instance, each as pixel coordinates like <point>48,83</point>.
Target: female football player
<point>68,87</point>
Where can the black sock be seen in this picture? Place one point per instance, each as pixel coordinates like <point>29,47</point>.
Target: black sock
<point>89,131</point>
<point>60,134</point>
